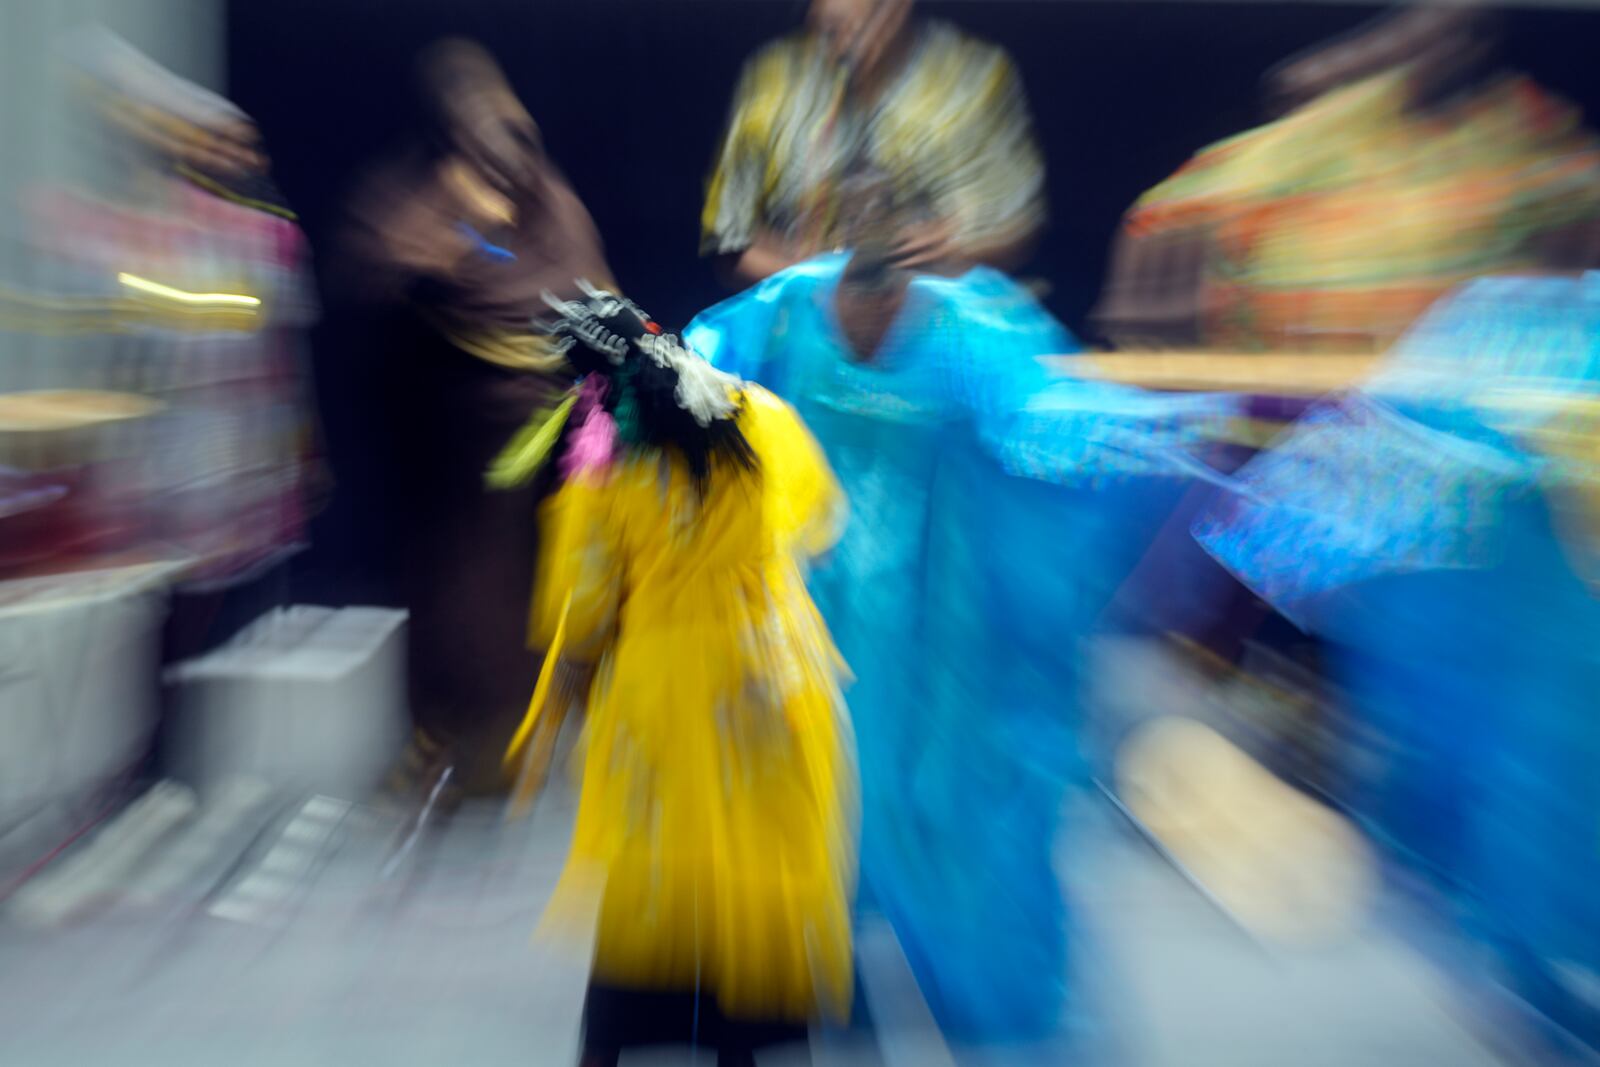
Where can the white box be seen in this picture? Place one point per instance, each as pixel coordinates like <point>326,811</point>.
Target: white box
<point>305,697</point>
<point>79,662</point>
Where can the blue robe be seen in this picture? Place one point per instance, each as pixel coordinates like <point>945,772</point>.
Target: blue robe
<point>995,507</point>
<point>1418,527</point>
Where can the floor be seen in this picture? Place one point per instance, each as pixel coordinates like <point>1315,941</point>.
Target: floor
<point>263,929</point>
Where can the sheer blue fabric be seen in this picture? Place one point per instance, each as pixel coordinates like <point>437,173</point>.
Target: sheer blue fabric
<point>1421,470</point>
<point>1419,526</point>
<point>995,507</point>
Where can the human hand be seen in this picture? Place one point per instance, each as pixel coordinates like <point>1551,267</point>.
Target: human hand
<point>925,244</point>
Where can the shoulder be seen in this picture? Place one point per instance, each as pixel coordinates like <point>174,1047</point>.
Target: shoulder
<point>770,79</point>
<point>772,67</point>
<point>808,273</point>
<point>763,408</point>
<point>980,287</point>
<point>776,290</point>
<point>768,422</point>
<point>948,48</point>
<point>999,306</point>
<point>792,49</point>
<point>785,448</point>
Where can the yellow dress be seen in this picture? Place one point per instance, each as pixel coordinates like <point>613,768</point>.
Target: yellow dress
<point>717,814</point>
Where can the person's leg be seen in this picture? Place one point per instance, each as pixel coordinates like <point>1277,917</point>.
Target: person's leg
<point>601,1040</point>
<point>600,1045</point>
<point>737,1041</point>
<point>798,1056</point>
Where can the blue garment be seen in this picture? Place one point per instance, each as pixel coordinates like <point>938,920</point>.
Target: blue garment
<point>1421,470</point>
<point>995,508</point>
<point>1414,525</point>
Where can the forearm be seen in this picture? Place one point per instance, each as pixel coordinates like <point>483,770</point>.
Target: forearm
<point>1005,252</point>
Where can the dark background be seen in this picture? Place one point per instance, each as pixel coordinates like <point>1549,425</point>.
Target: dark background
<point>632,95</point>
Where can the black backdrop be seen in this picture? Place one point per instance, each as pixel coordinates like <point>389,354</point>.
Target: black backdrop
<point>632,95</point>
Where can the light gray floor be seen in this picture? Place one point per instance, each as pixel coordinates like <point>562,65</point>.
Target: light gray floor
<point>325,957</point>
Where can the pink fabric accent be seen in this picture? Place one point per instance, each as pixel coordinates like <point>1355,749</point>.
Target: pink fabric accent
<point>594,444</point>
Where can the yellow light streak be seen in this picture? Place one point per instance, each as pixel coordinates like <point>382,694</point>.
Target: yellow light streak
<point>167,292</point>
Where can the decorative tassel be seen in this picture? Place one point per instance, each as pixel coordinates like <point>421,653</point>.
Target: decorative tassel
<point>531,774</point>
<point>594,444</point>
<point>703,391</point>
<point>627,413</point>
<point>528,450</point>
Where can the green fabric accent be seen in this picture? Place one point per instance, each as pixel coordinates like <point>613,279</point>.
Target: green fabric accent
<point>530,448</point>
<point>626,414</point>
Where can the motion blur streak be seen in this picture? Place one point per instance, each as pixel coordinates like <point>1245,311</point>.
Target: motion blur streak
<point>1093,557</point>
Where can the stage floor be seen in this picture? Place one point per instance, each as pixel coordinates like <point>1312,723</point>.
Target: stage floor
<point>298,936</point>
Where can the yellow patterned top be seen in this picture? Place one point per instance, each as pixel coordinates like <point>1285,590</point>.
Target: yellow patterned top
<point>952,131</point>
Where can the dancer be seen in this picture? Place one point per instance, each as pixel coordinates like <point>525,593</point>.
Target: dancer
<point>715,822</point>
<point>451,247</point>
<point>1436,529</point>
<point>994,507</point>
<point>867,92</point>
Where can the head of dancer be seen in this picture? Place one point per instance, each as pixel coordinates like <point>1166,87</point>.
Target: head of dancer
<point>646,388</point>
<point>872,288</point>
<point>862,36</point>
<point>1446,48</point>
<point>475,118</point>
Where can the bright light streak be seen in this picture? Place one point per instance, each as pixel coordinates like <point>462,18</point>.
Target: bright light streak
<point>167,292</point>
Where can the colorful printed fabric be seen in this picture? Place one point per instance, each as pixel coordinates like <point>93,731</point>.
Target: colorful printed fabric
<point>952,132</point>
<point>1341,223</point>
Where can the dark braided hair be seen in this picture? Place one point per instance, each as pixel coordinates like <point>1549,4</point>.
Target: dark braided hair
<point>646,394</point>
